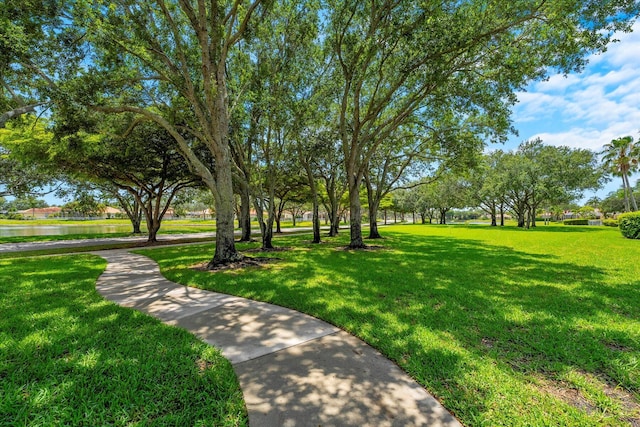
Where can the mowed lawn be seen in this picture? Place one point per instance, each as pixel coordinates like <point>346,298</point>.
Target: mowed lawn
<point>504,326</point>
<point>70,358</point>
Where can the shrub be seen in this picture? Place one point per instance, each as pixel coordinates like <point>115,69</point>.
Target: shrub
<point>12,215</point>
<point>610,222</point>
<point>580,221</point>
<point>629,224</point>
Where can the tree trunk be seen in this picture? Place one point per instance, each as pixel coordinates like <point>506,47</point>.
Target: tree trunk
<point>136,222</point>
<point>374,203</point>
<point>533,216</point>
<point>267,234</point>
<point>316,217</point>
<point>492,213</point>
<point>501,215</point>
<point>443,216</point>
<point>334,228</point>
<point>355,212</point>
<point>245,213</point>
<point>153,230</point>
<point>315,203</point>
<point>373,221</point>
<point>278,227</point>
<point>334,218</point>
<point>632,198</point>
<point>225,251</point>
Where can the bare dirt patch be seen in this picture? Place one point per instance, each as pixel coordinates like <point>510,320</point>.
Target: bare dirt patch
<point>277,249</point>
<point>616,347</point>
<point>487,342</point>
<point>365,248</point>
<point>237,265</point>
<point>203,365</point>
<point>568,394</point>
<point>573,396</point>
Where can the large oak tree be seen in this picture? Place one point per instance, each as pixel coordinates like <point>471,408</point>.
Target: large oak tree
<point>395,59</point>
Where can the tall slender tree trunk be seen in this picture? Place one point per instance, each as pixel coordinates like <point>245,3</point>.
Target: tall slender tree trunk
<point>631,197</point>
<point>315,220</point>
<point>355,213</point>
<point>245,213</point>
<point>267,235</point>
<point>534,212</point>
<point>373,197</point>
<point>373,221</point>
<point>627,208</point>
<point>443,216</point>
<point>492,213</point>
<point>334,228</point>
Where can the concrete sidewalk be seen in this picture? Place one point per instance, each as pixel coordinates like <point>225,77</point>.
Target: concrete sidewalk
<point>294,370</point>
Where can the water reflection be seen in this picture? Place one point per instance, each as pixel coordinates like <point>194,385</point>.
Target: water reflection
<point>49,230</point>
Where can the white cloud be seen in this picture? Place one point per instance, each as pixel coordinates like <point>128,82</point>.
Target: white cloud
<point>591,108</point>
<point>592,139</point>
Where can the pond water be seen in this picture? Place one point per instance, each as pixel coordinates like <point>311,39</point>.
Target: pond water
<point>49,230</point>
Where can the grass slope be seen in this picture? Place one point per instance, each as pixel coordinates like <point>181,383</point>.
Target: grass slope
<point>68,357</point>
<point>505,326</point>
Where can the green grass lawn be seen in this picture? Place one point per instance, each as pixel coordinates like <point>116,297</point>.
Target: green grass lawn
<point>504,326</point>
<point>68,357</point>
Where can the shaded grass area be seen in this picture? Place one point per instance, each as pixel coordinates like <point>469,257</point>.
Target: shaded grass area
<point>68,357</point>
<point>504,326</point>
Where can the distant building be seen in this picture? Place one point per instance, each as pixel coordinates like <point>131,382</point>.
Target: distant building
<point>41,213</point>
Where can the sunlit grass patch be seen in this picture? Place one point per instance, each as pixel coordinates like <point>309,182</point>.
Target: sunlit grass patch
<point>504,326</point>
<point>68,357</point>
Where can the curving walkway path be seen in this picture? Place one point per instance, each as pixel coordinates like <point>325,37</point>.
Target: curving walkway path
<point>294,370</point>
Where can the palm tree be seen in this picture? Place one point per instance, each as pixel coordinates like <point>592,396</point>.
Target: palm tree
<point>621,158</point>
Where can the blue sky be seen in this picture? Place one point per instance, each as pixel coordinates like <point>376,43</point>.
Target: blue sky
<point>589,109</point>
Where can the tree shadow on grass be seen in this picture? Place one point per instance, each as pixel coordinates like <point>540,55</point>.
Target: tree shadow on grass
<point>72,358</point>
<point>540,227</point>
<point>530,314</point>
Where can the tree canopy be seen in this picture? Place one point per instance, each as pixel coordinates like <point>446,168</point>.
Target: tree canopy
<point>240,85</point>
